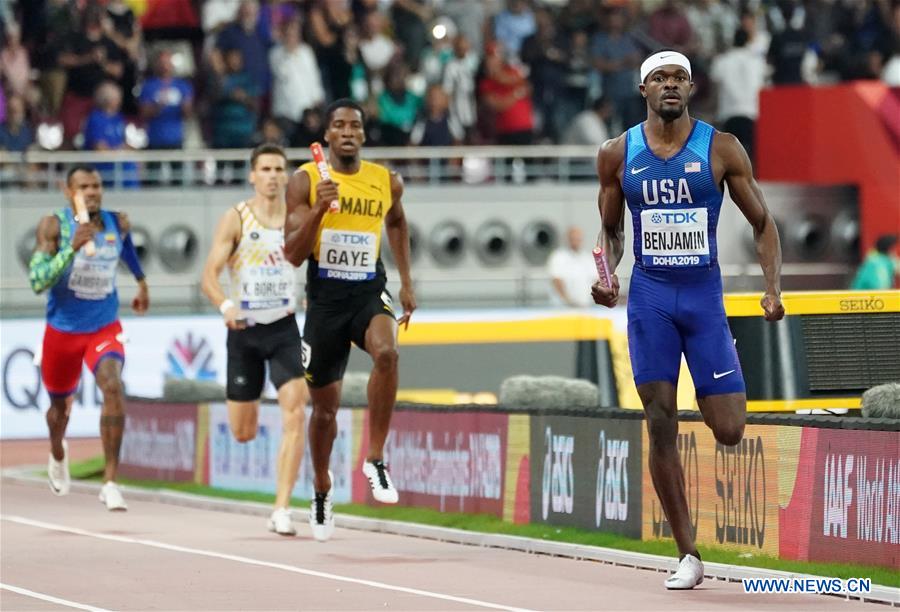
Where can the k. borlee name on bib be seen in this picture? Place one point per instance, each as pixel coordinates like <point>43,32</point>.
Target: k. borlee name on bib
<point>675,237</point>
<point>347,255</point>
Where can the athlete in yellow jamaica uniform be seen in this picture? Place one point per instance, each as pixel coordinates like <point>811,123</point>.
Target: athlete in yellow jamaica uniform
<point>347,297</point>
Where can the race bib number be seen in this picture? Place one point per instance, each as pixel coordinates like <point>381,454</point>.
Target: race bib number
<point>346,255</point>
<point>674,238</point>
<point>266,287</point>
<point>92,278</point>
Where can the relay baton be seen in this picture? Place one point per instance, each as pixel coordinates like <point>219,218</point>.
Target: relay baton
<point>602,267</point>
<point>83,217</point>
<point>322,165</point>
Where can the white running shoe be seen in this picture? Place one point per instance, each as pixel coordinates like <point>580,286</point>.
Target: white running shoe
<point>58,472</point>
<point>382,488</point>
<point>111,496</point>
<point>321,514</point>
<point>688,575</point>
<point>280,522</point>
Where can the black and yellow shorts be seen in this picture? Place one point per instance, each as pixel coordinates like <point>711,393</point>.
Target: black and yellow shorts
<point>330,328</point>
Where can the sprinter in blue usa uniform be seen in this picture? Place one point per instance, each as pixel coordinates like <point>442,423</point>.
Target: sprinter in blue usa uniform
<point>671,170</point>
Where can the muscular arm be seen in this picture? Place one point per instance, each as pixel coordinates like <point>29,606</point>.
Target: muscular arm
<point>302,222</point>
<point>398,230</point>
<point>748,197</point>
<point>398,236</point>
<point>227,235</point>
<point>611,201</point>
<point>48,262</point>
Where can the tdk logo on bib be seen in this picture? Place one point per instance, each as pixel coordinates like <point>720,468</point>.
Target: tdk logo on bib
<point>674,218</point>
<point>356,239</point>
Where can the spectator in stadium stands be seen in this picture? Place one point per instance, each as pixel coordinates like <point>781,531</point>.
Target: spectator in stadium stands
<point>297,83</point>
<point>470,17</point>
<point>790,48</point>
<point>589,127</point>
<point>437,55</point>
<point>669,27</point>
<point>15,66</point>
<point>436,127</point>
<point>513,25</point>
<point>459,84</point>
<point>578,16</point>
<point>104,130</point>
<point>271,133</point>
<point>242,34</point>
<point>121,27</point>
<point>757,34</point>
<point>545,55</point>
<point>166,101</point>
<point>216,14</point>
<point>572,272</point>
<point>90,58</point>
<point>881,266</point>
<point>739,74</point>
<point>311,129</point>
<point>616,57</point>
<point>577,77</point>
<point>507,94</point>
<point>713,24</point>
<point>411,19</point>
<point>52,26</point>
<point>398,107</point>
<point>16,134</point>
<point>376,47</point>
<point>168,19</point>
<point>329,22</point>
<point>235,95</point>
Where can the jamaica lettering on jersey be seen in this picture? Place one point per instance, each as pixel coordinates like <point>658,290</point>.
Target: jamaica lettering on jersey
<point>346,258</point>
<point>674,202</point>
<point>262,279</point>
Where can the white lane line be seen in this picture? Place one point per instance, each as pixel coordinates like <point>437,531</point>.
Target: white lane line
<point>248,561</point>
<point>50,598</point>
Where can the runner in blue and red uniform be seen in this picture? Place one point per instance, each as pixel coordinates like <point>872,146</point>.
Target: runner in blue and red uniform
<point>671,171</point>
<point>83,321</point>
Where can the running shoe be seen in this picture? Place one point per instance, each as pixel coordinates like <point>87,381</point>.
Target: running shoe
<point>111,496</point>
<point>688,575</point>
<point>321,514</point>
<point>58,472</point>
<point>382,488</point>
<point>280,522</point>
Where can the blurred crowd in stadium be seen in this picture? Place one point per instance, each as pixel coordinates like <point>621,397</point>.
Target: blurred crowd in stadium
<point>234,73</point>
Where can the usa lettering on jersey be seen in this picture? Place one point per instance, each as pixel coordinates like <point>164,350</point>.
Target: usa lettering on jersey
<point>666,191</point>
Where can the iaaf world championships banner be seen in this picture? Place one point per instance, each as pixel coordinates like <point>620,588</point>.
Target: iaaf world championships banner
<point>845,499</point>
<point>453,462</point>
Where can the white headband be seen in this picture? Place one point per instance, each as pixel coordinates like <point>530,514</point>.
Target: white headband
<point>664,58</point>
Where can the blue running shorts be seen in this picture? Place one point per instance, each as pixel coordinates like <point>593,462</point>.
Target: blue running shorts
<point>670,313</point>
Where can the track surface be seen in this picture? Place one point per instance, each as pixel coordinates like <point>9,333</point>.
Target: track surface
<point>60,553</point>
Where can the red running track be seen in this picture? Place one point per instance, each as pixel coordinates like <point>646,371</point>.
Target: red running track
<point>163,557</point>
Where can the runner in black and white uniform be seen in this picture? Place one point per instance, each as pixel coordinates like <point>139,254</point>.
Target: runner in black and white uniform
<point>259,315</point>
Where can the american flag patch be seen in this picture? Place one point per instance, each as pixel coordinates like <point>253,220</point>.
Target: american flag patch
<point>691,167</point>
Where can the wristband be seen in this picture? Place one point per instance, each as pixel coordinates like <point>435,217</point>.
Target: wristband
<point>224,306</point>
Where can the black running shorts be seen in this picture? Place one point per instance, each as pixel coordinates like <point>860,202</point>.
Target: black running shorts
<point>248,351</point>
<point>330,328</point>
